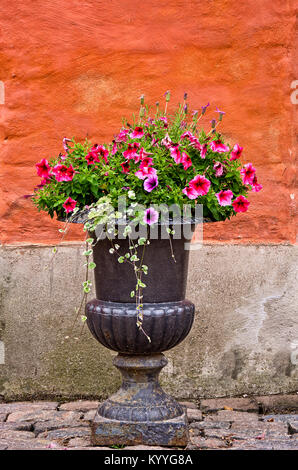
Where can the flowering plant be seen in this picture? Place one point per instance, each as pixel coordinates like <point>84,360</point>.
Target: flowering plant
<point>164,159</point>
<point>159,159</point>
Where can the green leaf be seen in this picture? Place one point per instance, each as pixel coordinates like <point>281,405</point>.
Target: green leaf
<point>121,259</point>
<point>92,265</point>
<point>132,294</point>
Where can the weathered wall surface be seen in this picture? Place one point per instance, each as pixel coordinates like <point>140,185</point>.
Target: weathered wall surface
<point>73,68</point>
<point>244,339</point>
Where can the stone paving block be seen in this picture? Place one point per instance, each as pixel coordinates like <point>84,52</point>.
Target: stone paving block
<point>237,404</point>
<point>210,425</point>
<point>278,402</point>
<point>58,423</point>
<point>232,416</point>
<point>272,444</point>
<point>283,418</point>
<point>13,434</point>
<point>18,426</point>
<point>25,444</point>
<point>80,405</point>
<point>194,415</point>
<point>27,406</point>
<point>41,415</point>
<point>64,435</point>
<point>189,404</point>
<point>79,442</point>
<point>202,443</point>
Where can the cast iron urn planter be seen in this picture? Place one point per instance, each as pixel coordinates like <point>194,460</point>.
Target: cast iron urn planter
<point>140,412</point>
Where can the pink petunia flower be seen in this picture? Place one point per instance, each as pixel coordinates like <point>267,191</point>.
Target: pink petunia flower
<point>151,216</point>
<point>256,187</point>
<point>224,197</point>
<point>236,152</point>
<point>248,173</point>
<point>190,192</point>
<point>131,152</point>
<point>43,168</point>
<point>69,205</point>
<point>122,136</point>
<point>137,133</point>
<point>218,146</point>
<point>92,158</point>
<point>125,167</point>
<point>63,173</point>
<point>166,141</point>
<point>146,161</point>
<point>219,168</point>
<point>144,172</point>
<point>186,134</point>
<point>175,153</point>
<point>102,152</point>
<point>240,204</point>
<point>114,149</point>
<point>150,183</point>
<point>186,161</point>
<point>200,184</point>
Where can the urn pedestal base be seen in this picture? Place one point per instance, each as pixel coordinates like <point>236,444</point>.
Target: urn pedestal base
<point>140,412</point>
<point>171,432</point>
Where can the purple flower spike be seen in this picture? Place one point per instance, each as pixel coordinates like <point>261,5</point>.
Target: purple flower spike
<point>151,216</point>
<point>204,108</point>
<point>150,183</point>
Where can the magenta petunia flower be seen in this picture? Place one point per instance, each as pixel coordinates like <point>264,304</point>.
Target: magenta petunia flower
<point>203,150</point>
<point>144,172</point>
<point>224,197</point>
<point>190,192</point>
<point>256,187</point>
<point>236,152</point>
<point>150,183</point>
<point>92,158</point>
<point>186,160</point>
<point>69,205</point>
<point>151,216</point>
<point>137,133</point>
<point>125,167</point>
<point>102,152</point>
<point>219,168</point>
<point>146,161</point>
<point>43,168</point>
<point>248,173</point>
<point>175,153</point>
<point>63,173</point>
<point>218,146</point>
<point>186,134</point>
<point>166,141</point>
<point>131,152</point>
<point>240,204</point>
<point>122,136</point>
<point>200,184</point>
<point>114,149</point>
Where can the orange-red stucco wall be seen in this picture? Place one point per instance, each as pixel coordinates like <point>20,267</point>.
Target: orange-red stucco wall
<point>74,67</point>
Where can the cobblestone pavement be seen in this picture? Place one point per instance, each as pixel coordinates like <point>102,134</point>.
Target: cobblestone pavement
<point>269,423</point>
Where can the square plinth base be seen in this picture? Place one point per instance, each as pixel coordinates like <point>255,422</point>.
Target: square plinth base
<point>108,432</point>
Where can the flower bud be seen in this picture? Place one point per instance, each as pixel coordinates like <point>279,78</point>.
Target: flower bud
<point>142,99</point>
<point>185,96</point>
